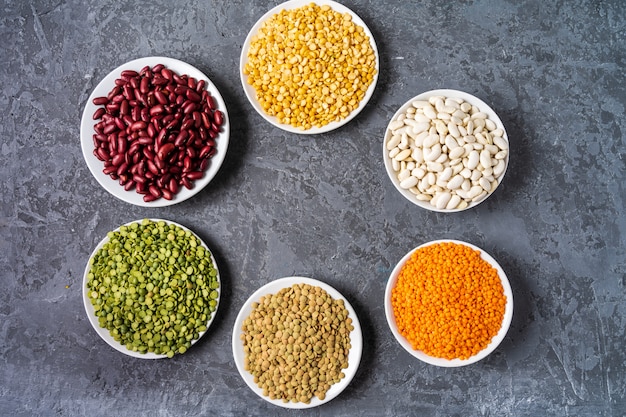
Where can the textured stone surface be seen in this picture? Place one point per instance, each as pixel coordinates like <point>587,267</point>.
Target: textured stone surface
<point>322,206</point>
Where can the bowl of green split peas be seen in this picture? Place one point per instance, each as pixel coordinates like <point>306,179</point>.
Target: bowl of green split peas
<point>151,289</point>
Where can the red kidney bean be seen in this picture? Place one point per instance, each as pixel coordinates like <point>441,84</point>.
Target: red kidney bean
<point>181,138</point>
<point>178,80</point>
<point>129,185</point>
<point>99,101</point>
<point>167,74</point>
<point>205,162</point>
<point>99,113</point>
<point>115,91</point>
<point>210,100</point>
<point>167,194</point>
<point>194,175</point>
<point>173,186</point>
<point>152,167</point>
<point>141,188</point>
<point>122,168</point>
<point>191,152</point>
<point>109,170</point>
<point>186,182</point>
<point>156,131</point>
<point>109,128</point>
<point>149,197</point>
<point>129,73</point>
<point>187,164</point>
<point>118,159</point>
<point>155,191</point>
<point>218,117</point>
<point>144,85</point>
<point>206,120</point>
<point>204,151</point>
<point>193,96</point>
<point>159,81</point>
<point>165,150</point>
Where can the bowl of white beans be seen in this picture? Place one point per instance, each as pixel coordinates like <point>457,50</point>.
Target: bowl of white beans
<point>446,150</point>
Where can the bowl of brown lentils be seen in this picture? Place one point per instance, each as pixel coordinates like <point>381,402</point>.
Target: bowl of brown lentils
<point>297,342</point>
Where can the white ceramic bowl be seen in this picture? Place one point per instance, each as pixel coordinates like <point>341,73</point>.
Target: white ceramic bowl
<point>251,93</point>
<point>104,333</point>
<point>356,340</point>
<point>96,166</point>
<point>495,341</point>
<point>393,175</point>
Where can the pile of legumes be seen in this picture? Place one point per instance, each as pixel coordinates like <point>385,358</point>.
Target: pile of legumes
<point>310,66</point>
<point>153,286</point>
<point>448,302</point>
<point>447,151</point>
<point>156,131</point>
<point>296,343</point>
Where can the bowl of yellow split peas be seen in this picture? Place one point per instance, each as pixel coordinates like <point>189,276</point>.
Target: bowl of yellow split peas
<point>309,68</point>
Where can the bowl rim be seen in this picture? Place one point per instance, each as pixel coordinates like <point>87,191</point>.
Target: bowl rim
<point>356,340</point>
<point>87,123</point>
<point>424,96</point>
<point>104,333</point>
<point>251,92</point>
<point>450,363</point>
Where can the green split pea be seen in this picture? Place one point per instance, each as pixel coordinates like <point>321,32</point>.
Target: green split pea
<point>154,287</point>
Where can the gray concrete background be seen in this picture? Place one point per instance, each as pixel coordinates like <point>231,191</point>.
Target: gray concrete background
<point>322,206</point>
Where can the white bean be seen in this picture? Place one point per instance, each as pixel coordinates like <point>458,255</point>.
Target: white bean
<point>474,191</point>
<point>409,182</point>
<point>404,174</point>
<point>429,112</point>
<point>418,155</point>
<point>455,182</point>
<point>473,159</point>
<point>442,199</point>
<point>500,142</point>
<point>485,158</point>
<point>420,127</point>
<point>501,155</point>
<point>434,167</point>
<point>419,139</point>
<point>420,118</point>
<point>446,174</point>
<point>499,168</point>
<point>457,152</point>
<point>402,155</point>
<point>393,142</point>
<point>418,104</point>
<point>484,182</point>
<point>466,172</point>
<point>396,124</point>
<point>454,202</point>
<point>430,140</point>
<point>418,173</point>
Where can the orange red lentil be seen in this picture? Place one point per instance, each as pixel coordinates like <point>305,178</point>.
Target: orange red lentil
<point>448,302</point>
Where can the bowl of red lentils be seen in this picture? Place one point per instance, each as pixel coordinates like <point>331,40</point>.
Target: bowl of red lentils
<point>448,303</point>
<point>309,67</point>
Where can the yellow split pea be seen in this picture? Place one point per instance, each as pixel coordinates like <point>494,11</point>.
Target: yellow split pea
<point>310,66</point>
